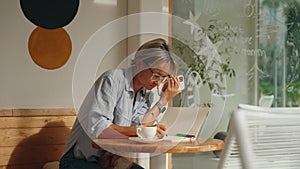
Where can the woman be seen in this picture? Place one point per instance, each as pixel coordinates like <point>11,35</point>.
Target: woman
<point>119,101</point>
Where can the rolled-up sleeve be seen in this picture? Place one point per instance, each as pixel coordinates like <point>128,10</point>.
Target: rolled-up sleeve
<point>99,106</point>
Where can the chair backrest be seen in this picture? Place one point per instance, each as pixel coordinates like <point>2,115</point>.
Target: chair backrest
<point>260,138</point>
<point>271,109</point>
<point>266,100</point>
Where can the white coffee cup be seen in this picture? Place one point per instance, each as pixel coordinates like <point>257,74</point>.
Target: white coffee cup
<point>146,131</point>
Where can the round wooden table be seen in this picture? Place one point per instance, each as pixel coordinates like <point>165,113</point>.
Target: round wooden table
<point>164,146</point>
<point>161,151</point>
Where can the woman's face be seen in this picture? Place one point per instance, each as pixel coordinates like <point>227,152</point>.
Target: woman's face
<point>152,77</point>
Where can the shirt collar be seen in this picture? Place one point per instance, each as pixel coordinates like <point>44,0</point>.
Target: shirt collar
<point>128,73</point>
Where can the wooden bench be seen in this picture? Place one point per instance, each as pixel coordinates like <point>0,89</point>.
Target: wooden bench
<point>29,138</point>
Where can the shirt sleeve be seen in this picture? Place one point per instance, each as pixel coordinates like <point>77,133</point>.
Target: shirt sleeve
<point>99,106</point>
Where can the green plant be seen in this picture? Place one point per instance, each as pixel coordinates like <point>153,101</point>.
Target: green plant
<point>202,54</point>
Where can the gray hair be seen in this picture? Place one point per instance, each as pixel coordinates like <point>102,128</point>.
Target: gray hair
<point>156,52</point>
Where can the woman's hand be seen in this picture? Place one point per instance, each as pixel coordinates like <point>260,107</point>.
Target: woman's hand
<point>161,130</point>
<point>170,90</point>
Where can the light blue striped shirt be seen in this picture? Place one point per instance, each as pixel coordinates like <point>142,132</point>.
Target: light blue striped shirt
<point>110,100</point>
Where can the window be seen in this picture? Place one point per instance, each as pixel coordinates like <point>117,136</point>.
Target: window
<point>279,41</point>
<point>263,50</point>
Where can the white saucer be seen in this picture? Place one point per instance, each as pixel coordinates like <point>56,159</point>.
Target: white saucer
<point>145,140</point>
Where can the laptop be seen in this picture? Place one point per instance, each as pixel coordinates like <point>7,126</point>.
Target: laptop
<point>183,121</point>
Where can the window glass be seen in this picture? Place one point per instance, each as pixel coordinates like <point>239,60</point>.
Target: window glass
<point>257,60</point>
<point>279,41</point>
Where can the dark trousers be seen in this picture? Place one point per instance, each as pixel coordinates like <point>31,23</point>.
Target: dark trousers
<point>68,161</point>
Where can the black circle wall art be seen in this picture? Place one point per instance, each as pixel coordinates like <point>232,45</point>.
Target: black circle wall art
<point>49,48</point>
<point>50,14</point>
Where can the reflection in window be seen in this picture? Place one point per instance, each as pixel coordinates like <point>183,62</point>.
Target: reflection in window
<point>279,39</point>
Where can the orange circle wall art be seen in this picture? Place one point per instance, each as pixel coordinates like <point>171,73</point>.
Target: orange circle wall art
<point>49,48</point>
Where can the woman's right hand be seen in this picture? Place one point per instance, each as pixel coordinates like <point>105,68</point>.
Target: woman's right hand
<point>161,130</point>
<point>170,90</point>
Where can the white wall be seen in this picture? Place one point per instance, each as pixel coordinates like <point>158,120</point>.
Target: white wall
<point>23,84</point>
<point>146,22</point>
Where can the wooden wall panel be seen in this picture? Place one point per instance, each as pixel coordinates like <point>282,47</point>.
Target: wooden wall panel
<point>44,112</point>
<point>5,112</point>
<point>36,122</point>
<point>31,137</point>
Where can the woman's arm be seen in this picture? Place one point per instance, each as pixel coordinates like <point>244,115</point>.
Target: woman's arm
<point>116,131</point>
<point>168,93</point>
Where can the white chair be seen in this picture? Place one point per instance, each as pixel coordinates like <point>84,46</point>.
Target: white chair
<point>260,138</point>
<point>266,101</point>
